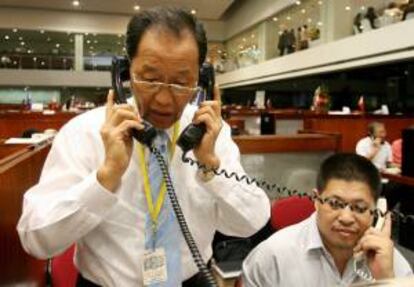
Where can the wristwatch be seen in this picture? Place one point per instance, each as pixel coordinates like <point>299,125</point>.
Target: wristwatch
<point>205,176</point>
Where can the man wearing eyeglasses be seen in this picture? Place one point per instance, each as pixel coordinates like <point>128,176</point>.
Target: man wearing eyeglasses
<point>320,250</point>
<point>103,191</point>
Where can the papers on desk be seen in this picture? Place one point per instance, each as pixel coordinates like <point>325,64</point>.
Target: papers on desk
<point>35,139</point>
<point>393,170</point>
<point>228,269</point>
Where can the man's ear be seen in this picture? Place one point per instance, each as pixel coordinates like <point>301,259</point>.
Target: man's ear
<point>316,203</point>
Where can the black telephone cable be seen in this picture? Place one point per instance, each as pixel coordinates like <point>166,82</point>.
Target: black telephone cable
<point>198,259</point>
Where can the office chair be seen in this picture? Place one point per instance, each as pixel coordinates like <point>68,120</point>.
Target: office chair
<point>289,211</point>
<point>286,212</point>
<point>63,270</point>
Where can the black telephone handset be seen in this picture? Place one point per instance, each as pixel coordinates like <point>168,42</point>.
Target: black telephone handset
<point>191,136</point>
<point>120,74</point>
<point>373,138</point>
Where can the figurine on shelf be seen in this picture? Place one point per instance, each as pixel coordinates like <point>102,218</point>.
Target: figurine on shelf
<point>321,100</point>
<point>53,104</point>
<point>361,104</point>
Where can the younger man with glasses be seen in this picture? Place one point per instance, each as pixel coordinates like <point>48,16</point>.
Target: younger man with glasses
<point>320,250</point>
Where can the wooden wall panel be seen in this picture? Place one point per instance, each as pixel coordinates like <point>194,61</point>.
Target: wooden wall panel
<point>13,124</point>
<point>289,143</point>
<point>16,176</point>
<point>353,129</point>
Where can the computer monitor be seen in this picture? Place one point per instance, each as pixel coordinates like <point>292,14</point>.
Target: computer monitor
<point>267,124</point>
<point>407,165</point>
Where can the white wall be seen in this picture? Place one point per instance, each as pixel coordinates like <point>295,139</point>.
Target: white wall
<point>252,12</point>
<point>33,19</point>
<point>54,78</point>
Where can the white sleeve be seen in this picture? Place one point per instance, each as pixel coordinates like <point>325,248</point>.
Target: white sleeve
<point>68,201</point>
<point>361,148</point>
<point>242,209</point>
<point>260,268</point>
<point>401,266</point>
<point>389,153</point>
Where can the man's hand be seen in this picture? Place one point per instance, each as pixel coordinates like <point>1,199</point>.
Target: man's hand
<point>377,142</point>
<point>375,148</point>
<point>379,249</point>
<point>117,140</point>
<point>209,113</point>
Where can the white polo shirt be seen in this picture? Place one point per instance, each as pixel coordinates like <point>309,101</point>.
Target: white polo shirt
<point>384,155</point>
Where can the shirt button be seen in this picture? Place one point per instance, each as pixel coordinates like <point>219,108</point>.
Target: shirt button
<point>162,148</point>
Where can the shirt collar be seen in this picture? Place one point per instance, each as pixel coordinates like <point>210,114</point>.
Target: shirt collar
<point>313,240</point>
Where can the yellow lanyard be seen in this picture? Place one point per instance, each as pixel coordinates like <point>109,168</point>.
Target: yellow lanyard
<point>155,211</point>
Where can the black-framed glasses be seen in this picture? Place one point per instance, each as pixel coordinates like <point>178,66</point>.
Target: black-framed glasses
<point>153,87</point>
<point>337,204</point>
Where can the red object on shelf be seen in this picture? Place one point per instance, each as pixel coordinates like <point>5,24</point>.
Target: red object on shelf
<point>361,104</point>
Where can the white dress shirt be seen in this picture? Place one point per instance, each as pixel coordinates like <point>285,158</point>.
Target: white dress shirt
<point>364,148</point>
<point>296,256</point>
<point>69,206</point>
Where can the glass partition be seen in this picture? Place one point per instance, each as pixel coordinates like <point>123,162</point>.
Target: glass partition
<point>302,25</point>
<point>28,49</point>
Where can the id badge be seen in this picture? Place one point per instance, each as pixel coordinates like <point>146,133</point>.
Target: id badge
<point>154,268</point>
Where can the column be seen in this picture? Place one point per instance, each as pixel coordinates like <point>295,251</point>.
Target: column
<point>336,20</point>
<point>79,52</point>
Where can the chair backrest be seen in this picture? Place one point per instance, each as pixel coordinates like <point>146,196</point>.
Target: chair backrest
<point>290,210</point>
<point>63,270</point>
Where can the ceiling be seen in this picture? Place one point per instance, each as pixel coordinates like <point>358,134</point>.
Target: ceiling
<point>205,9</point>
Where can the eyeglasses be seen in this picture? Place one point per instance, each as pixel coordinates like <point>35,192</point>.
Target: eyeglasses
<point>336,204</point>
<point>152,88</point>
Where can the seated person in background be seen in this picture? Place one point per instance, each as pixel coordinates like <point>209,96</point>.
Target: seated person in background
<point>372,17</point>
<point>374,147</point>
<point>357,22</point>
<point>396,148</point>
<point>393,12</point>
<point>321,248</point>
<point>408,10</point>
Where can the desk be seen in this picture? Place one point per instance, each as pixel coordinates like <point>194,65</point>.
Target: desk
<point>287,143</point>
<point>405,180</point>
<point>287,160</point>
<point>352,127</point>
<point>397,282</point>
<point>20,167</point>
<point>13,123</point>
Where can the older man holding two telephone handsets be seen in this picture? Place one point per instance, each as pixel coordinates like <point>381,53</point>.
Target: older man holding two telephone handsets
<point>104,192</point>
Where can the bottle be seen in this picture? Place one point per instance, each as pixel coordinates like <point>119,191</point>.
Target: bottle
<point>29,101</point>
